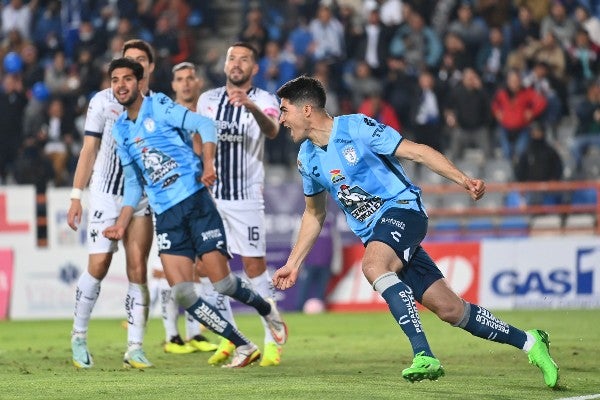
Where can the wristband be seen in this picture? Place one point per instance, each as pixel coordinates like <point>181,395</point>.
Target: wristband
<point>76,193</point>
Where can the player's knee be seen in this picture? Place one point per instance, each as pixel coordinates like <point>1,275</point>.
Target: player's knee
<point>227,285</point>
<point>451,312</point>
<point>184,294</point>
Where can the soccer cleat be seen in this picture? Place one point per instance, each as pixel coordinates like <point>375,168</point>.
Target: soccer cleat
<point>276,325</point>
<point>201,343</point>
<point>81,356</point>
<point>423,367</point>
<point>223,352</point>
<point>177,346</point>
<point>136,358</point>
<point>243,356</point>
<point>271,356</point>
<point>539,355</point>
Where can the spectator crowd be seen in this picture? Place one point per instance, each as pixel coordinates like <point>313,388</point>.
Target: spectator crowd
<point>497,78</point>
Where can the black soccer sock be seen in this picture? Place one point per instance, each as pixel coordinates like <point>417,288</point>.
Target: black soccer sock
<point>402,305</point>
<point>480,322</point>
<point>244,293</point>
<point>210,317</point>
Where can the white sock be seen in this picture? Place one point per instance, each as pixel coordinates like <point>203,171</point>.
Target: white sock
<point>529,342</point>
<point>217,300</point>
<point>192,327</point>
<point>263,286</point>
<point>169,310</point>
<point>88,290</point>
<point>137,305</point>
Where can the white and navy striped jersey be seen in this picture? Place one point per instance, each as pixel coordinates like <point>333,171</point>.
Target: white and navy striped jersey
<point>102,112</point>
<point>240,145</point>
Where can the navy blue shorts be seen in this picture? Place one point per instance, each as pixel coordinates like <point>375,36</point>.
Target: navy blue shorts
<point>191,228</point>
<point>404,230</point>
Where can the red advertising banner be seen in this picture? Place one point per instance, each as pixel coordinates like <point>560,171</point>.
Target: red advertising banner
<point>6,277</point>
<point>459,262</point>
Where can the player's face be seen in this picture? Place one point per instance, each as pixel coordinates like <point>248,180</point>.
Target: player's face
<point>240,65</point>
<point>141,57</point>
<point>125,86</point>
<point>292,118</point>
<point>186,85</point>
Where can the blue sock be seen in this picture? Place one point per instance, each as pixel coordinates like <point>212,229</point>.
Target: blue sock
<point>245,294</point>
<point>402,305</point>
<point>210,317</point>
<point>479,322</point>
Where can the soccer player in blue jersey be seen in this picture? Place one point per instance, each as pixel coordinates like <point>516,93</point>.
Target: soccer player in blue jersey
<point>356,160</point>
<point>151,143</point>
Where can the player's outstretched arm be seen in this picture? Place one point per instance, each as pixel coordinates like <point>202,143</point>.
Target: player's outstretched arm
<point>310,227</point>
<point>437,162</point>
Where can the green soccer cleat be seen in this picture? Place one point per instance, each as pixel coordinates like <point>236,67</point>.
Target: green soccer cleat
<point>243,356</point>
<point>539,355</point>
<point>81,356</point>
<point>423,367</point>
<point>223,352</point>
<point>136,358</point>
<point>271,356</point>
<point>177,346</point>
<point>202,344</point>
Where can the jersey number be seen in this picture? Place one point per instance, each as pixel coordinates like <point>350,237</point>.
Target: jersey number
<point>253,233</point>
<point>163,242</point>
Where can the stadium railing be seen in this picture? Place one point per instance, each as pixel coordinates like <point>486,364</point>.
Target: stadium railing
<point>523,209</point>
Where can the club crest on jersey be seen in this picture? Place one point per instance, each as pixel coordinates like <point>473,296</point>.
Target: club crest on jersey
<point>336,176</point>
<point>157,164</point>
<point>349,154</point>
<point>360,204</point>
<point>149,124</point>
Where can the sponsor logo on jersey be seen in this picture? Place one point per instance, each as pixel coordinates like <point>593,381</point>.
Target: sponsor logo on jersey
<point>212,234</point>
<point>360,204</point>
<point>230,138</point>
<point>170,180</point>
<point>336,176</point>
<point>157,164</point>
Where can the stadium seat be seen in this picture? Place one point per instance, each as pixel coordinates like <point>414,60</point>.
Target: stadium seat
<point>580,223</point>
<point>584,196</point>
<point>498,170</point>
<point>545,224</point>
<point>470,166</point>
<point>480,228</point>
<point>513,226</point>
<point>457,201</point>
<point>491,200</point>
<point>445,229</point>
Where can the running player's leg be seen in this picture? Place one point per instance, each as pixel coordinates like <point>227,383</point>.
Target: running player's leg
<point>244,223</point>
<point>137,242</point>
<point>178,269</point>
<point>89,284</point>
<point>395,238</point>
<point>480,322</point>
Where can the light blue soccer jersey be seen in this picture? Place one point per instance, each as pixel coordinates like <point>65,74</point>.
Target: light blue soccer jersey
<point>359,170</point>
<point>156,144</point>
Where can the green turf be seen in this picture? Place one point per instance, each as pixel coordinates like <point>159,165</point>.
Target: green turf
<point>329,356</point>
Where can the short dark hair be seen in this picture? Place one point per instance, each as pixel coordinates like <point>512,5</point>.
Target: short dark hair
<point>304,89</point>
<point>136,67</point>
<point>140,45</point>
<point>249,47</point>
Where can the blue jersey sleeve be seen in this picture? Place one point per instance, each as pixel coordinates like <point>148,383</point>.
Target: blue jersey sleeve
<point>381,138</point>
<point>310,186</point>
<point>180,117</point>
<point>122,153</point>
<point>133,185</point>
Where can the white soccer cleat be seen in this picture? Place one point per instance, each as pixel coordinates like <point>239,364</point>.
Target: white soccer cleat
<point>276,325</point>
<point>81,356</point>
<point>243,356</point>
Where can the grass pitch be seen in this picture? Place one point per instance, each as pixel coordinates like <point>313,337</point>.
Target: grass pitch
<point>328,356</point>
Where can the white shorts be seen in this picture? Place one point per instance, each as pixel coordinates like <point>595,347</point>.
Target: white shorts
<point>103,212</point>
<point>244,222</point>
